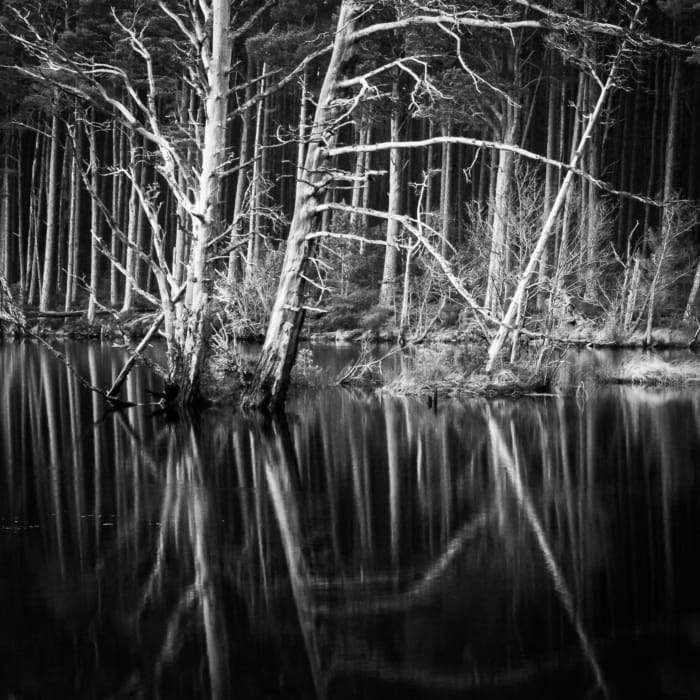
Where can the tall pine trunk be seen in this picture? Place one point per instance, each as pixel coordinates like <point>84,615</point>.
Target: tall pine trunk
<point>495,285</point>
<point>73,215</point>
<point>661,252</point>
<point>5,214</point>
<point>47,285</point>
<point>242,177</point>
<point>94,218</point>
<point>393,227</point>
<point>132,225</point>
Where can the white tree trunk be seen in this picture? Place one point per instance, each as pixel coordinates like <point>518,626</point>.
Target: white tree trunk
<point>94,220</point>
<point>269,386</point>
<point>206,219</point>
<point>47,284</point>
<point>393,227</point>
<point>495,284</point>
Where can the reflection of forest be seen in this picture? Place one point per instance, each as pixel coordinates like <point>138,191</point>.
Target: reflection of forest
<point>366,543</point>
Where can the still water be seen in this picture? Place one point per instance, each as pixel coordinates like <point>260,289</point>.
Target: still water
<point>365,547</point>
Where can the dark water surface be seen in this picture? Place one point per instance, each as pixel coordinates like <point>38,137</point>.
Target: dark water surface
<point>366,547</point>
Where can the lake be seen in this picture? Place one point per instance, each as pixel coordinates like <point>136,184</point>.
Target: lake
<point>366,546</point>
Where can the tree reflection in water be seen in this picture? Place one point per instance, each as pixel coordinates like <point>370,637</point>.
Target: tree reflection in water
<point>362,546</point>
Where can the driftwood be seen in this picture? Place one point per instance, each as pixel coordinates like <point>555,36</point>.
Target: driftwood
<point>119,380</point>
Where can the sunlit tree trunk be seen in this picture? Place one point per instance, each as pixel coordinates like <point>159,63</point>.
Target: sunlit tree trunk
<point>5,215</point>
<point>21,233</point>
<point>271,378</point>
<point>132,224</point>
<point>94,219</point>
<point>73,215</point>
<point>495,285</point>
<point>63,201</point>
<point>36,203</point>
<point>141,216</point>
<point>254,214</point>
<point>187,369</point>
<point>115,205</point>
<point>47,285</point>
<point>446,203</point>
<point>393,228</point>
<point>549,181</point>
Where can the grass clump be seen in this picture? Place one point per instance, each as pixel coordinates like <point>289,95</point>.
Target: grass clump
<point>456,371</point>
<point>652,370</point>
<point>305,371</point>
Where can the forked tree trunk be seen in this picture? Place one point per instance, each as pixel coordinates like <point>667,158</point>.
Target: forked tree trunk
<point>269,386</point>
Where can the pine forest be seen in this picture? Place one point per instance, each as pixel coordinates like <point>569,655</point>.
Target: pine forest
<point>521,173</point>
